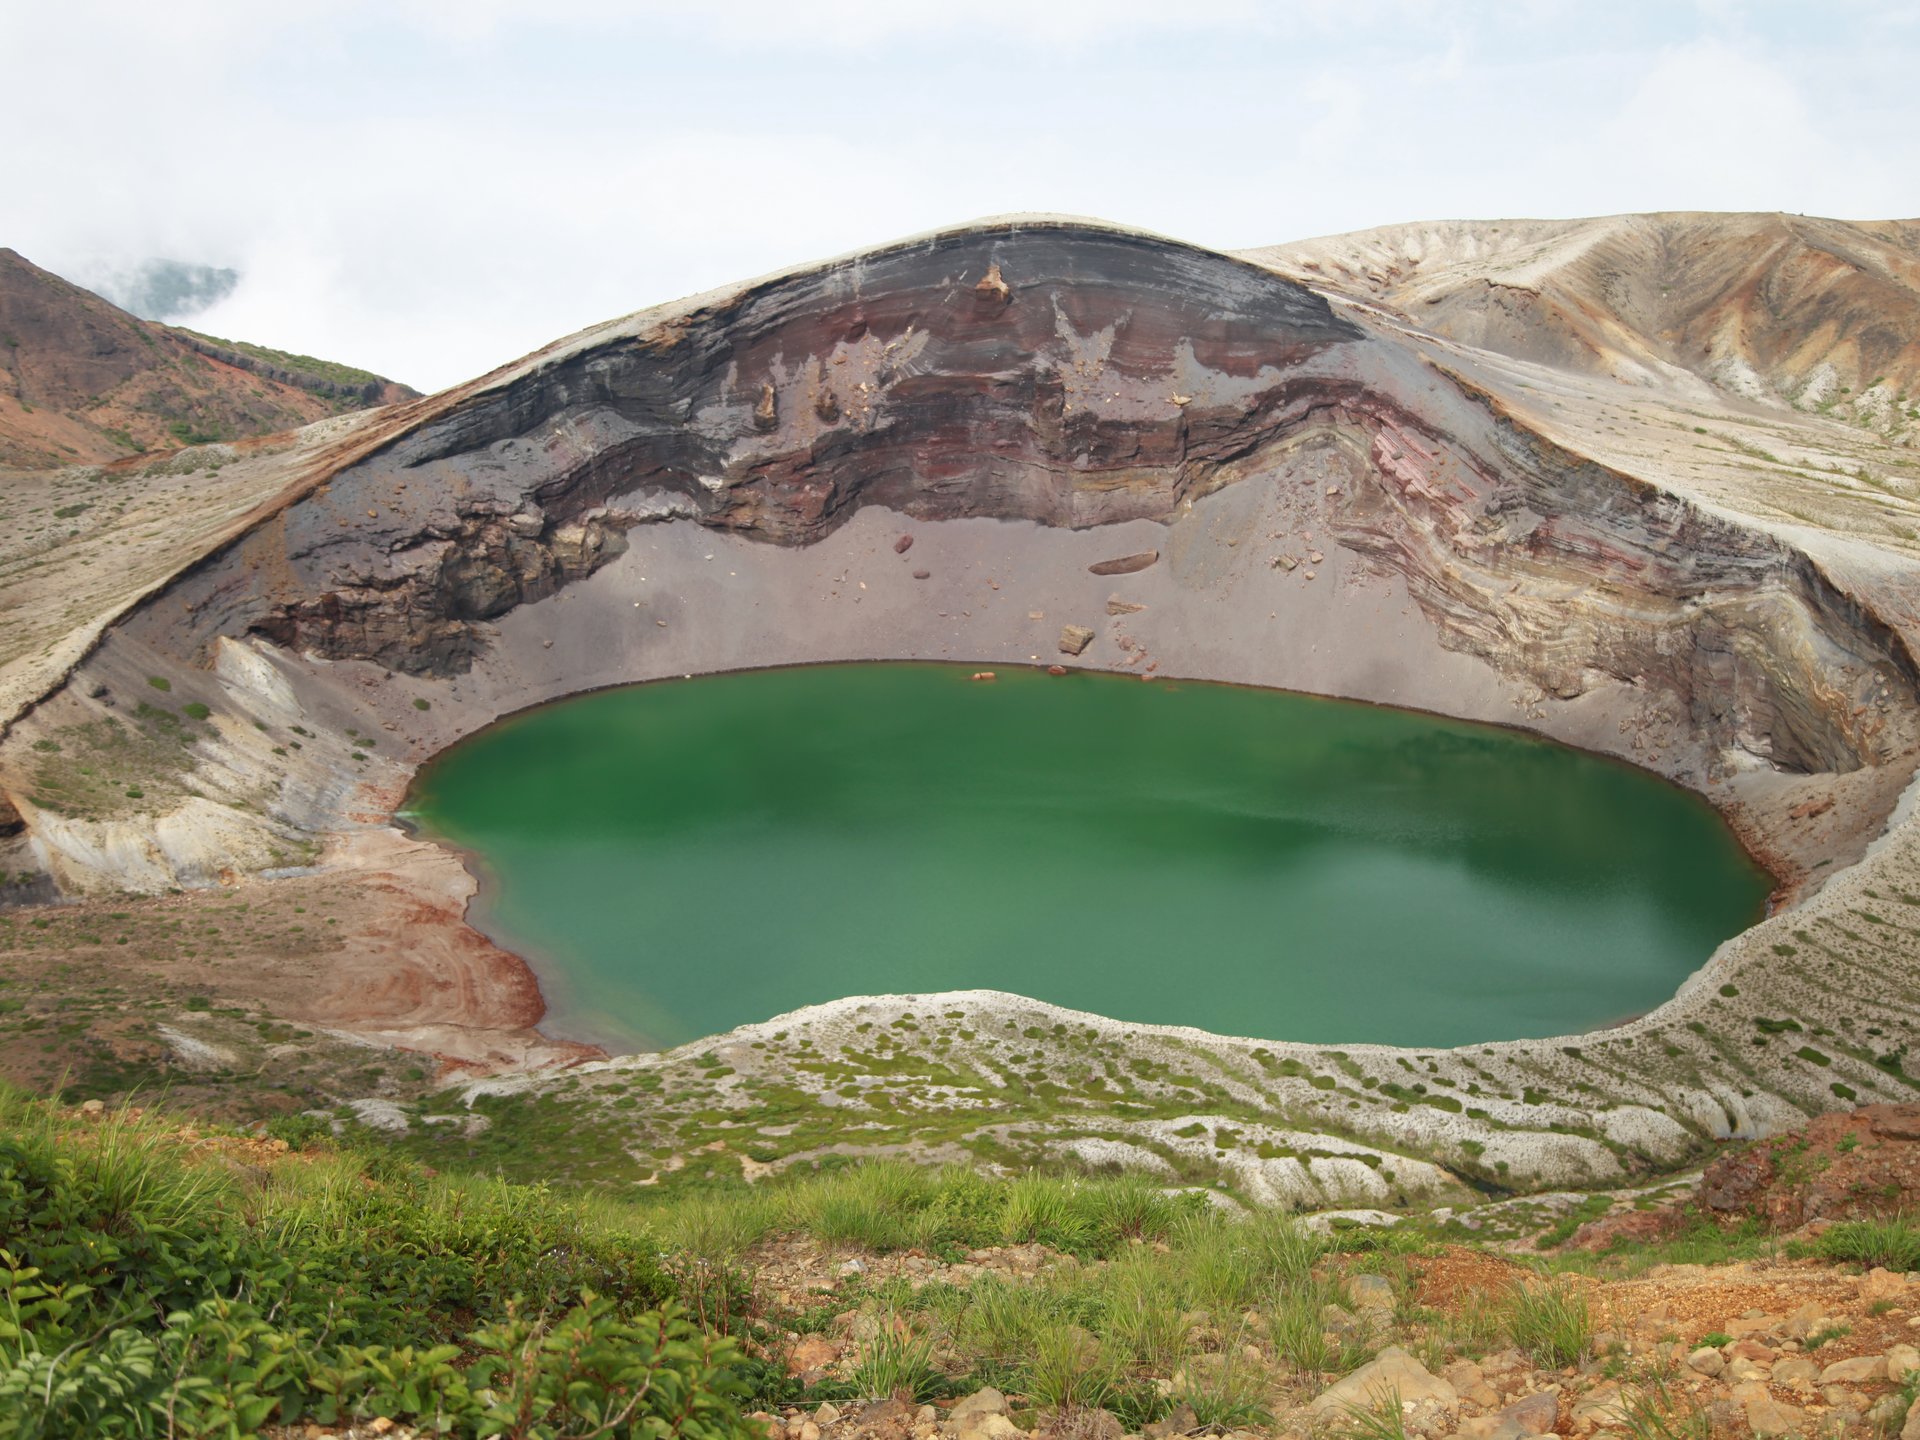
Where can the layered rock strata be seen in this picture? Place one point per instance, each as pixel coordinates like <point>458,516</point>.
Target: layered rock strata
<point>1103,377</point>
<point>1285,491</point>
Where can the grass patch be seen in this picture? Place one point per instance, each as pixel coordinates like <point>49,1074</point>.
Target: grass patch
<point>1892,1243</point>
<point>1551,1321</point>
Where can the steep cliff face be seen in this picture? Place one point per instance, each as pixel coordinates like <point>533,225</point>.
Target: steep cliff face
<point>1077,377</point>
<point>1071,376</point>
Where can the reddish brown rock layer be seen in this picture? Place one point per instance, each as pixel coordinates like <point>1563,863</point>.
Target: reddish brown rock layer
<point>1860,1163</point>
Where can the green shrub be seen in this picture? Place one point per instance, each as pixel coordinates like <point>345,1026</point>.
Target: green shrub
<point>1551,1322</point>
<point>1070,1370</point>
<point>896,1361</point>
<point>222,1368</point>
<point>159,682</point>
<point>195,710</point>
<point>1893,1243</point>
<point>1045,1210</point>
<point>1230,1393</point>
<point>145,1292</point>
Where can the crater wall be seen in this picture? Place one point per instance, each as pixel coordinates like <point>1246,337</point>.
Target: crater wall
<point>1075,377</point>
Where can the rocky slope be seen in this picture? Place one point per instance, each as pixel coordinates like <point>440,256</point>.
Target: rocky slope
<point>86,381</point>
<point>1820,315</point>
<point>1322,496</point>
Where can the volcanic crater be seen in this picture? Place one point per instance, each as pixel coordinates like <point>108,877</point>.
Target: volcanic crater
<point>937,450</point>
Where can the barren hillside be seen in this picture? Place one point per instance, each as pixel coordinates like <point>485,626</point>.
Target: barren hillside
<point>1822,315</point>
<point>82,380</point>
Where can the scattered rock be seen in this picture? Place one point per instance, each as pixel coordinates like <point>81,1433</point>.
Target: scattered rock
<point>827,1414</point>
<point>1536,1414</point>
<point>1884,1285</point>
<point>811,1354</point>
<point>1074,639</point>
<point>1056,669</point>
<point>1902,1361</point>
<point>826,405</point>
<point>993,285</point>
<point>1803,1322</point>
<point>1117,606</point>
<point>1852,1372</point>
<point>1603,1405</point>
<point>891,1419</point>
<point>986,1401</point>
<point>766,415</point>
<point>1393,1372</point>
<point>922,574</point>
<point>1125,564</point>
<point>1707,1360</point>
<point>983,675</point>
<point>1765,1415</point>
<point>1796,1370</point>
<point>903,544</point>
<point>1370,1292</point>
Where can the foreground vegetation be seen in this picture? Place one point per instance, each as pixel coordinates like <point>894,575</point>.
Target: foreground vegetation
<point>154,1283</point>
<point>160,1278</point>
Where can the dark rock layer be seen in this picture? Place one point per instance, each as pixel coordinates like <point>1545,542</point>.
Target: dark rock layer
<point>1074,376</point>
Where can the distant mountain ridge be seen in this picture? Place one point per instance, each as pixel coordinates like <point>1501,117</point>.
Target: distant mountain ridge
<point>82,380</point>
<point>1821,315</point>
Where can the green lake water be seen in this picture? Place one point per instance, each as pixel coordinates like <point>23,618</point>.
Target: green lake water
<point>682,857</point>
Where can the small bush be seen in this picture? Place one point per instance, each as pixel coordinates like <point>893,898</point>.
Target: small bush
<point>1230,1394</point>
<point>193,709</point>
<point>159,682</point>
<point>1297,1327</point>
<point>1042,1209</point>
<point>1551,1322</point>
<point>1134,1208</point>
<point>1893,1243</point>
<point>1070,1370</point>
<point>1142,1318</point>
<point>896,1362</point>
<point>421,703</point>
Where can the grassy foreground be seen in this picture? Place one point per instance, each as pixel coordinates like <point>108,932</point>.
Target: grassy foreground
<point>162,1278</point>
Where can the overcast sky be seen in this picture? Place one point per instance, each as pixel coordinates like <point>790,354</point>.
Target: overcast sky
<point>431,187</point>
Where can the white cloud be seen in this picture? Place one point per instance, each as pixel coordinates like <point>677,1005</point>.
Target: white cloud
<point>431,187</point>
